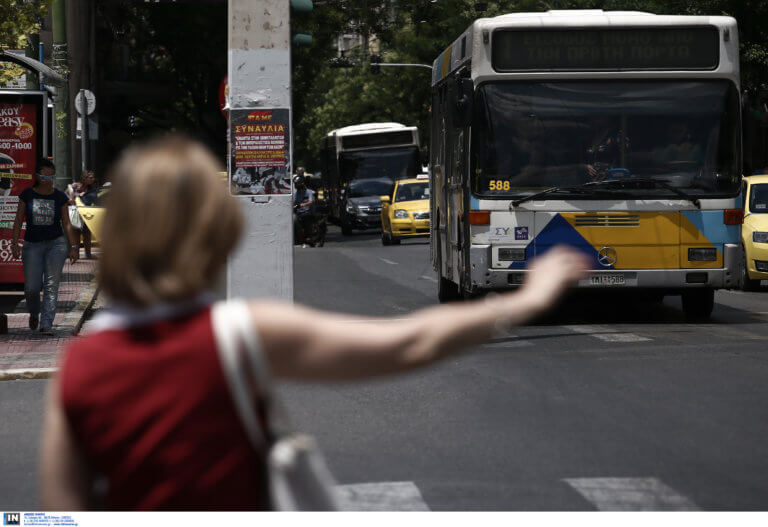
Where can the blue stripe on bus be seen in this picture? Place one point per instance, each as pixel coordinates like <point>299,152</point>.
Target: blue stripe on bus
<point>559,232</point>
<point>710,224</point>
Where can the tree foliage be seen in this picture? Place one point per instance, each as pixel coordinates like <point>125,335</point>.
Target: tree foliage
<point>18,18</point>
<point>417,31</point>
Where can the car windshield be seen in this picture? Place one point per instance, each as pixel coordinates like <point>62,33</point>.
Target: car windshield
<point>394,163</point>
<point>412,191</point>
<point>528,136</point>
<point>370,187</point>
<point>758,198</point>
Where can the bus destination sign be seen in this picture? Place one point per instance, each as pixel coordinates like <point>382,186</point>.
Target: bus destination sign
<point>606,49</point>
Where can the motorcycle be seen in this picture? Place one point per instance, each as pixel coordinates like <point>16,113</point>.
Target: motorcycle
<point>309,229</point>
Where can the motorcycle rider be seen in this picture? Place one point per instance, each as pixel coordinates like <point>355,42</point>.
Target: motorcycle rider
<point>303,206</point>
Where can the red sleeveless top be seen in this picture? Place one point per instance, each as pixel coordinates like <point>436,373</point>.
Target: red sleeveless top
<point>151,409</point>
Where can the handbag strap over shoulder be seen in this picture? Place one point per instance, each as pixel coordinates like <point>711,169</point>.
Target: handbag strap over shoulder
<point>242,363</point>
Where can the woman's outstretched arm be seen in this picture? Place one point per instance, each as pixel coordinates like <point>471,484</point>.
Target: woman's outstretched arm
<point>301,343</point>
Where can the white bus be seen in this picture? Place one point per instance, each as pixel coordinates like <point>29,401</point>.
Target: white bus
<point>618,133</point>
<point>378,153</point>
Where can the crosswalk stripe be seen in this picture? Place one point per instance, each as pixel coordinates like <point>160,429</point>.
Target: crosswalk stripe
<point>606,334</point>
<point>630,494</point>
<point>384,496</point>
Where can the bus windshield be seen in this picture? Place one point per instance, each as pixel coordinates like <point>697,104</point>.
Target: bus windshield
<point>528,136</point>
<point>393,163</point>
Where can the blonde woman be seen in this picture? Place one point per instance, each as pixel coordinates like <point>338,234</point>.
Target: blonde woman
<point>142,400</point>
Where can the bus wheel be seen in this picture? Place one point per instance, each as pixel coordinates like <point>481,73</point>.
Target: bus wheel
<point>747,284</point>
<point>447,291</point>
<point>698,304</point>
<point>385,240</point>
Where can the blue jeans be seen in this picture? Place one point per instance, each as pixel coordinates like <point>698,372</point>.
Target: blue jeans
<point>43,263</point>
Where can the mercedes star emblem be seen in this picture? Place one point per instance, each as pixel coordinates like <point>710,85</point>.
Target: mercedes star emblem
<point>607,256</point>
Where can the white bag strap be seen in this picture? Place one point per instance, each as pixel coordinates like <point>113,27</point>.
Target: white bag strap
<point>228,324</point>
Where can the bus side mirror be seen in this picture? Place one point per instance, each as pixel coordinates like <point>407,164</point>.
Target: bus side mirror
<point>462,97</point>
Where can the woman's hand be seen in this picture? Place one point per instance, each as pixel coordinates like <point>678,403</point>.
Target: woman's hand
<point>74,254</point>
<point>551,274</point>
<point>15,249</point>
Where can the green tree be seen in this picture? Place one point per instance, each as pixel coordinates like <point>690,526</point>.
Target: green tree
<point>18,19</point>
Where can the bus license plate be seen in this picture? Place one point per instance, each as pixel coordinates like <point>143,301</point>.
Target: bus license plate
<point>608,279</point>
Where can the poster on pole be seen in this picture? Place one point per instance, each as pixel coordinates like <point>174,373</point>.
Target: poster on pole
<point>22,115</point>
<point>260,151</point>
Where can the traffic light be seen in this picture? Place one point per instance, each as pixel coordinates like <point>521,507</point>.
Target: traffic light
<point>301,7</point>
<point>375,68</point>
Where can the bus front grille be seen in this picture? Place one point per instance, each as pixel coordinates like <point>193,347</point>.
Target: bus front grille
<point>607,220</point>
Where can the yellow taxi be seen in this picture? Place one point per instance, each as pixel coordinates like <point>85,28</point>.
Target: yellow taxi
<point>93,212</point>
<point>754,232</point>
<point>405,213</point>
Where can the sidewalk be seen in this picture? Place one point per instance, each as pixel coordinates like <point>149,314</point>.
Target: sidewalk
<point>28,354</point>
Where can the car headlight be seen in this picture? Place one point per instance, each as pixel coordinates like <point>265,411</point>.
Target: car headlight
<point>351,208</point>
<point>760,237</point>
<point>401,214</point>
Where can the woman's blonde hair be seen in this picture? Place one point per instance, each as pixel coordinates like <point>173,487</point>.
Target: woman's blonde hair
<point>169,224</point>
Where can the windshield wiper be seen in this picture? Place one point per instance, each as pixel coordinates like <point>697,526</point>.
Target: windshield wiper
<point>622,184</point>
<point>586,188</point>
<point>579,189</point>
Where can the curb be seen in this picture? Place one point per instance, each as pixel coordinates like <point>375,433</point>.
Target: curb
<point>86,311</point>
<point>24,374</point>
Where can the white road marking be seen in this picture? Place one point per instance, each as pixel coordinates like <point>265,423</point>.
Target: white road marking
<point>630,494</point>
<point>390,262</point>
<point>430,278</point>
<point>385,496</point>
<point>509,344</point>
<point>607,334</point>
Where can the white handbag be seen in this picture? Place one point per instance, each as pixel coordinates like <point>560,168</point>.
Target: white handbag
<point>298,475</point>
<point>74,218</point>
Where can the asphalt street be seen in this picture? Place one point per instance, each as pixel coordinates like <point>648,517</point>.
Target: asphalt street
<point>613,402</point>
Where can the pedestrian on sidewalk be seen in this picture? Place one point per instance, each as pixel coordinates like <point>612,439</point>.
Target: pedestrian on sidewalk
<point>48,239</point>
<point>88,185</point>
<point>142,400</point>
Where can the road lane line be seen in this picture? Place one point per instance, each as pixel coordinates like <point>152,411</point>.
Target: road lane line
<point>630,494</point>
<point>390,262</point>
<point>430,278</point>
<point>607,334</point>
<point>387,496</point>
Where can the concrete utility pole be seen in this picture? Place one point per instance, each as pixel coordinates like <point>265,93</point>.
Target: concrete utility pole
<point>61,124</point>
<point>260,79</point>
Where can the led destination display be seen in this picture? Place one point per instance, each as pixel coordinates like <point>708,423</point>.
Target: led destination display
<point>612,49</point>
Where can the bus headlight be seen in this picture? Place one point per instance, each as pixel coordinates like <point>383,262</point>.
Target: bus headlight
<point>760,237</point>
<point>401,214</point>
<point>511,255</point>
<point>702,255</point>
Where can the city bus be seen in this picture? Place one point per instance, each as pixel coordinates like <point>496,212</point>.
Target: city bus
<point>379,152</point>
<point>616,133</point>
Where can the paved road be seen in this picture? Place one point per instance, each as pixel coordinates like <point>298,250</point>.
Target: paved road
<point>595,407</point>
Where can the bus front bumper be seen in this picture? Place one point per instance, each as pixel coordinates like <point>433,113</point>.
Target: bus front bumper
<point>483,277</point>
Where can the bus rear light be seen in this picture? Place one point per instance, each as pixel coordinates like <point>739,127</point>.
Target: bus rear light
<point>733,217</point>
<point>479,217</point>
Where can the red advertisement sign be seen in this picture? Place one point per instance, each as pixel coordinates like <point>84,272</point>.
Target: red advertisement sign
<point>21,133</point>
